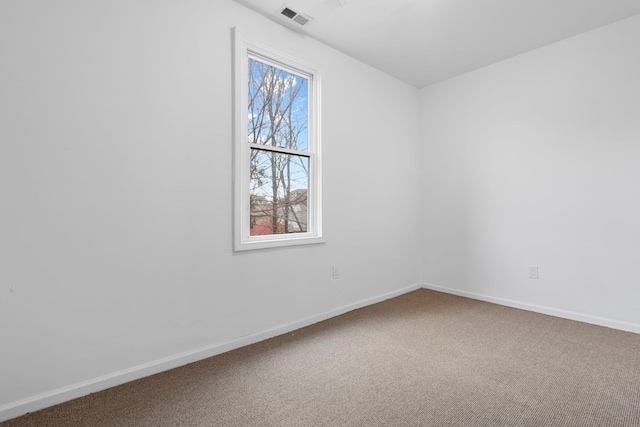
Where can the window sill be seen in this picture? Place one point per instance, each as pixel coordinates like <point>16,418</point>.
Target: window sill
<point>275,242</point>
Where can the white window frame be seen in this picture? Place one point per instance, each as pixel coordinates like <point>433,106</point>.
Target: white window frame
<point>243,48</point>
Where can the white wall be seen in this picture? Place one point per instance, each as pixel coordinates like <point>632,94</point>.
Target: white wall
<point>115,164</point>
<point>536,161</point>
<point>115,181</point>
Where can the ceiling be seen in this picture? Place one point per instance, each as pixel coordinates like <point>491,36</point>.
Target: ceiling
<point>425,41</point>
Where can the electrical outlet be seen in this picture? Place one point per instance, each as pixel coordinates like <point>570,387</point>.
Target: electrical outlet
<point>336,271</point>
<point>533,272</point>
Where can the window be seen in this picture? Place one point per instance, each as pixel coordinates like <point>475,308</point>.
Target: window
<point>277,149</point>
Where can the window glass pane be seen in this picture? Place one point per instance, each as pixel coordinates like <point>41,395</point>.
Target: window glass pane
<point>278,107</point>
<point>278,194</point>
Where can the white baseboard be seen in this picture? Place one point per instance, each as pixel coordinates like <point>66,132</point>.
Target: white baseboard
<point>586,318</point>
<point>73,391</point>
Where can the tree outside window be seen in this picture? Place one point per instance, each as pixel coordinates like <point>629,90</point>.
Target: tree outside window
<point>277,131</point>
<point>277,172</point>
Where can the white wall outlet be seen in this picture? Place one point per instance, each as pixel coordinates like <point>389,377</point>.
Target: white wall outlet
<point>336,271</point>
<point>533,272</point>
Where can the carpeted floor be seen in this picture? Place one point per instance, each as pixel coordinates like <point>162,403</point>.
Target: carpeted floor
<point>422,359</point>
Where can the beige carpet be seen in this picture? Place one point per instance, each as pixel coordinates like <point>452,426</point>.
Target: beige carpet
<point>422,359</point>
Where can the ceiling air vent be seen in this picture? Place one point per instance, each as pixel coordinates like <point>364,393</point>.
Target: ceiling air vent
<point>294,16</point>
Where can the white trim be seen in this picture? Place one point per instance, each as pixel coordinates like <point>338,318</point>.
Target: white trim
<point>243,48</point>
<point>73,391</point>
<point>64,394</point>
<point>565,314</point>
